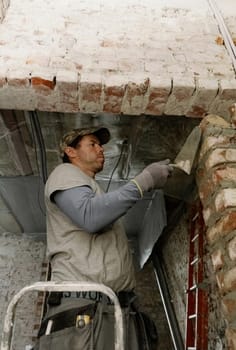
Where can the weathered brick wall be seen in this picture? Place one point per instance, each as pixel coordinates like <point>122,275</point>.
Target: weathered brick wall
<point>216,179</point>
<point>3,8</point>
<point>163,57</point>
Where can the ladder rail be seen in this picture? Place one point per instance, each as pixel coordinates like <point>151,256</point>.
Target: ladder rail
<point>202,342</point>
<point>192,288</point>
<point>51,286</point>
<point>196,336</point>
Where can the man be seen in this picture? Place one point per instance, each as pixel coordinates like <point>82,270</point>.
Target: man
<point>86,242</point>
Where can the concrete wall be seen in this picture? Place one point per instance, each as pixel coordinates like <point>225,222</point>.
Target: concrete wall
<point>21,259</point>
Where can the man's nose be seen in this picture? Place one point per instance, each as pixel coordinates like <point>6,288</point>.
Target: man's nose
<point>100,148</point>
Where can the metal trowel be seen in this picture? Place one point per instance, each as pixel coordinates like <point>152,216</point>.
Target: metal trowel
<point>181,185</point>
<point>185,158</point>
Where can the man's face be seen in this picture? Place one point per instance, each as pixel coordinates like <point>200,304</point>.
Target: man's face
<point>89,154</point>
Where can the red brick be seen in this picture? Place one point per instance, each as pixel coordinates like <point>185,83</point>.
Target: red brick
<point>206,187</point>
<point>228,280</point>
<point>90,96</point>
<point>224,174</point>
<point>158,97</point>
<point>113,98</point>
<point>229,307</point>
<point>41,84</point>
<point>225,199</point>
<point>220,156</point>
<point>3,81</point>
<point>224,226</point>
<point>211,142</point>
<point>217,258</point>
<point>197,111</point>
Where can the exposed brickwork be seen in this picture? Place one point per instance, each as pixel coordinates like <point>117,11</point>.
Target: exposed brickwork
<point>144,64</point>
<point>222,227</point>
<point>229,306</point>
<point>220,156</point>
<point>227,280</point>
<point>216,178</point>
<point>217,259</point>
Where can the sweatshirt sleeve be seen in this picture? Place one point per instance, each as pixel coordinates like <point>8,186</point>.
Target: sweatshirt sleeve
<point>95,212</point>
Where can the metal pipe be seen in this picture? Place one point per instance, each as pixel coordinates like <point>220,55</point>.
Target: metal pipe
<point>229,44</point>
<point>166,300</point>
<point>42,151</point>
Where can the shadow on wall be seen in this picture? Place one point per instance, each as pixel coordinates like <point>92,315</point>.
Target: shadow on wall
<point>23,195</point>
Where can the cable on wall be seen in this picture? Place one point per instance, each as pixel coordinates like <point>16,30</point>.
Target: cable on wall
<point>37,131</point>
<point>115,167</point>
<point>229,44</point>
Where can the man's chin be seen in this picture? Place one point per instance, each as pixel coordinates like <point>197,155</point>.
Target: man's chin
<point>100,167</point>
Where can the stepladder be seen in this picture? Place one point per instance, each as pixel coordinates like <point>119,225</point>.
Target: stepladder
<point>49,286</point>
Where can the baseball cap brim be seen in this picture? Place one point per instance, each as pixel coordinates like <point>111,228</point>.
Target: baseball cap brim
<point>102,133</point>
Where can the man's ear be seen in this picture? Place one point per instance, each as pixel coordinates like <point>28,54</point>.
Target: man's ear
<point>70,152</point>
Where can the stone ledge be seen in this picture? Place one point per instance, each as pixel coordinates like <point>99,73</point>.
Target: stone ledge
<point>68,92</point>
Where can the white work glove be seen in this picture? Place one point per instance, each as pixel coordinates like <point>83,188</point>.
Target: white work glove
<point>154,175</point>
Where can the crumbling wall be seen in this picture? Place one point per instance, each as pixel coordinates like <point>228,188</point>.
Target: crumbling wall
<point>163,58</point>
<point>216,178</point>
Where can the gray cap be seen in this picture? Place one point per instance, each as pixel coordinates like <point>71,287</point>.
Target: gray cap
<point>103,134</point>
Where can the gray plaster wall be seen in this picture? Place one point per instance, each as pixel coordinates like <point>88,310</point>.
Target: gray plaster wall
<point>21,259</point>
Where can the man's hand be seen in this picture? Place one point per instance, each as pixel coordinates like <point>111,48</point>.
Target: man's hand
<point>154,175</point>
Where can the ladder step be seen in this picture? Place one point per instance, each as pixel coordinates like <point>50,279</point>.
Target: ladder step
<point>195,237</point>
<point>191,348</point>
<point>192,316</point>
<point>194,261</point>
<point>193,287</point>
